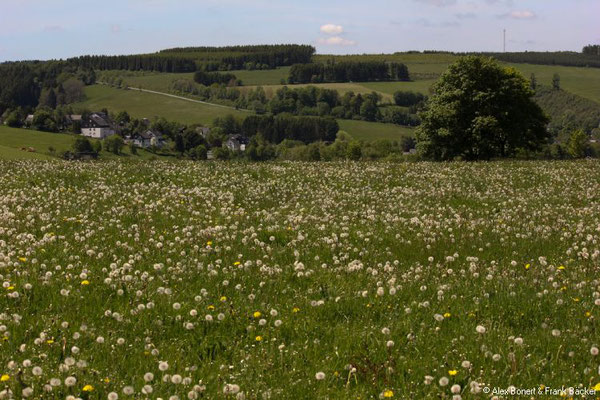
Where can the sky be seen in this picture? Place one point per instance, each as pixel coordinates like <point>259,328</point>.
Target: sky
<point>53,29</point>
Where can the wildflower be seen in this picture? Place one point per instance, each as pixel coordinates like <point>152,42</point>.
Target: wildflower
<point>236,263</point>
<point>295,309</point>
<point>209,243</point>
<point>527,266</point>
<point>211,307</point>
<point>259,338</point>
<point>320,376</point>
<point>388,394</point>
<point>447,315</point>
<point>88,388</point>
<point>85,282</point>
<point>480,329</point>
<point>223,298</point>
<point>452,372</point>
<point>231,389</point>
<point>22,259</point>
<point>257,314</point>
<point>4,378</point>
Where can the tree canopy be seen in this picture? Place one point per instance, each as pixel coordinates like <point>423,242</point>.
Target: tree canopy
<point>480,110</point>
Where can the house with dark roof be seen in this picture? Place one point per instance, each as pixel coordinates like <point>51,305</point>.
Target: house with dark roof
<point>97,125</point>
<point>146,139</point>
<point>237,143</point>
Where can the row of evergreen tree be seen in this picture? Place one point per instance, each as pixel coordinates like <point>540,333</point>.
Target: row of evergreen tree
<point>209,78</point>
<point>246,57</point>
<point>348,71</point>
<point>275,129</point>
<point>136,63</point>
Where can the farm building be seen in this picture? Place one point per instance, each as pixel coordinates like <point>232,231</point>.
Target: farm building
<point>98,126</point>
<point>146,139</point>
<point>237,143</point>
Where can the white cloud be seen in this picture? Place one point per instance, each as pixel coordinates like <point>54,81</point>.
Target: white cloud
<point>336,41</point>
<point>521,14</point>
<point>331,29</point>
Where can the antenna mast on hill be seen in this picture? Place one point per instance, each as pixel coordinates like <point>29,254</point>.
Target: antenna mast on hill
<point>504,48</point>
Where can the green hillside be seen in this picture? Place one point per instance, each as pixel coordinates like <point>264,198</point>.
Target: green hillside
<point>148,105</point>
<point>14,139</point>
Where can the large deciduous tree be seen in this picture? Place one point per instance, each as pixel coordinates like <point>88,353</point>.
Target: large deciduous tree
<point>480,110</point>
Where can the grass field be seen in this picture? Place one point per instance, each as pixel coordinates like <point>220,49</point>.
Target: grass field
<point>300,281</point>
<point>425,69</point>
<point>147,105</point>
<point>369,131</point>
<point>13,139</point>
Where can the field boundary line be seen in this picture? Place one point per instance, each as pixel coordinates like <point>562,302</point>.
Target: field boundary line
<point>182,98</point>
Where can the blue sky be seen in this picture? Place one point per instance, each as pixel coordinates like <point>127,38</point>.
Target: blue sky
<point>44,29</point>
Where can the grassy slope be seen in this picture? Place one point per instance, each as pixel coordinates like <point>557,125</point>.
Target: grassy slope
<point>369,131</point>
<point>13,139</point>
<point>147,105</point>
<point>584,82</point>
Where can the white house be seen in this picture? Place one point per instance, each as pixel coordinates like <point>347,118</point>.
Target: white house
<point>146,139</point>
<point>97,126</point>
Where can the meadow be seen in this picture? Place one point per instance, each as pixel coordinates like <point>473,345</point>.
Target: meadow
<point>424,69</point>
<point>148,105</point>
<point>183,280</point>
<point>13,140</point>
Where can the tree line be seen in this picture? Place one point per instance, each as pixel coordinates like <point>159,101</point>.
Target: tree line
<point>33,83</point>
<point>347,71</point>
<point>209,78</point>
<point>245,57</point>
<point>136,63</point>
<point>591,50</point>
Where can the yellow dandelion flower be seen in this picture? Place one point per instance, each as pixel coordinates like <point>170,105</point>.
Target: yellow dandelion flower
<point>10,288</point>
<point>223,298</point>
<point>23,259</point>
<point>295,309</point>
<point>257,314</point>
<point>527,266</point>
<point>561,267</point>
<point>563,288</point>
<point>597,387</point>
<point>209,243</point>
<point>588,314</point>
<point>447,315</point>
<point>4,378</point>
<point>237,263</point>
<point>50,341</point>
<point>388,394</point>
<point>88,388</point>
<point>211,307</point>
<point>452,372</point>
<point>259,338</point>
<point>106,380</point>
<point>85,282</point>
<point>576,299</point>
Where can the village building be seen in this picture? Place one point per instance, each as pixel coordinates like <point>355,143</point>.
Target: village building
<point>97,126</point>
<point>146,139</point>
<point>237,143</point>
